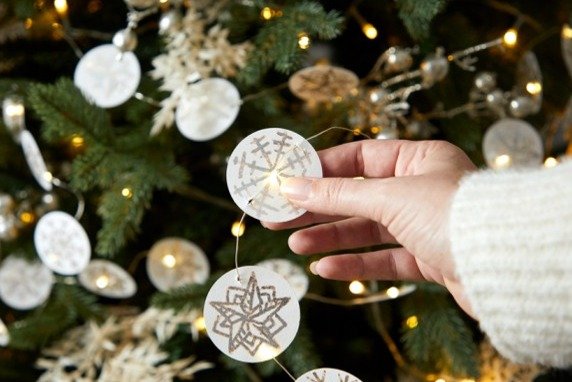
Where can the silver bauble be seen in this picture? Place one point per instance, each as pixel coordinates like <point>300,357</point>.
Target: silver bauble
<point>169,21</point>
<point>433,69</point>
<point>6,204</point>
<point>521,107</point>
<point>377,94</point>
<point>496,101</point>
<point>398,60</point>
<point>125,40</point>
<point>142,3</point>
<point>485,82</point>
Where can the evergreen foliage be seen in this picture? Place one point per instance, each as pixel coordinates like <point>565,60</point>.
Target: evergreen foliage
<point>418,15</point>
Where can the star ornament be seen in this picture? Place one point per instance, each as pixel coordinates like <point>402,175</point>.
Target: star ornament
<point>252,319</point>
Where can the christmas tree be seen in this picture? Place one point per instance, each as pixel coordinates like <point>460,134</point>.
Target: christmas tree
<point>121,151</point>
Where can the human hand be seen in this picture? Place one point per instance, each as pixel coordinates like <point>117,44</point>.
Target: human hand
<point>404,199</point>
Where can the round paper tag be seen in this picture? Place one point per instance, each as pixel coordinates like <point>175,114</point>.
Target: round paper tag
<point>257,166</point>
<point>322,83</point>
<point>107,279</point>
<point>107,76</point>
<point>294,274</point>
<point>173,262</point>
<point>61,243</point>
<point>327,375</point>
<point>24,285</point>
<point>35,160</point>
<point>254,319</point>
<point>208,110</point>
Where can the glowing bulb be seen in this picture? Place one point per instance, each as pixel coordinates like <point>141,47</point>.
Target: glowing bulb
<point>169,261</point>
<point>127,193</point>
<point>550,162</point>
<point>357,131</point>
<point>304,40</point>
<point>48,176</point>
<point>267,13</point>
<point>357,287</point>
<point>61,6</point>
<point>534,87</point>
<point>412,322</point>
<point>567,32</point>
<point>510,37</point>
<point>14,110</point>
<point>393,292</point>
<point>440,380</point>
<point>369,31</point>
<point>503,161</point>
<point>237,229</point>
<point>266,351</point>
<point>77,141</point>
<point>27,217</point>
<point>102,281</point>
<point>200,324</point>
<point>375,130</point>
<point>28,23</point>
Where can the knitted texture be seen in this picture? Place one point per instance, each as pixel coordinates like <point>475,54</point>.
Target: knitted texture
<point>511,238</point>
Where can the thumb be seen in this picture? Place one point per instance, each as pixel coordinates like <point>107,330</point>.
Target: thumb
<point>336,196</point>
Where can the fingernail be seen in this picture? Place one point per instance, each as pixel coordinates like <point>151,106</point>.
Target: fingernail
<point>313,266</point>
<point>296,188</point>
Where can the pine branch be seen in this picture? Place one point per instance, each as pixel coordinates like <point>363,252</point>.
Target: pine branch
<point>417,15</point>
<point>192,295</point>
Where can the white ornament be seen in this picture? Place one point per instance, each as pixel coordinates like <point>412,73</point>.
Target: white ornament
<point>107,76</point>
<point>35,160</point>
<point>327,375</point>
<point>294,274</point>
<point>4,334</point>
<point>258,165</point>
<point>512,143</point>
<point>62,243</point>
<point>107,279</point>
<point>174,262</point>
<point>24,285</point>
<point>208,109</point>
<point>254,318</point>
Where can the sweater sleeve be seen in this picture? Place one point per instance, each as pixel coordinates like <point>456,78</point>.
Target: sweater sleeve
<point>511,238</point>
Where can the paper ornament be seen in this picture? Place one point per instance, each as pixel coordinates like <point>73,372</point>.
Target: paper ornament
<point>208,109</point>
<point>35,160</point>
<point>294,274</point>
<point>107,76</point>
<point>322,83</point>
<point>327,375</point>
<point>251,314</point>
<point>4,334</point>
<point>512,143</point>
<point>62,243</point>
<point>258,165</point>
<point>174,262</point>
<point>24,285</point>
<point>107,279</point>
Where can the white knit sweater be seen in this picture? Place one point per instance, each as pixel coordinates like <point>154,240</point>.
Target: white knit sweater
<point>511,235</point>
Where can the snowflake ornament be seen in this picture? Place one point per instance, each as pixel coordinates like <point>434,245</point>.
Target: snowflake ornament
<point>327,375</point>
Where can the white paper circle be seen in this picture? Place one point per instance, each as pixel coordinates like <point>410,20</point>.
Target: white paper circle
<point>294,274</point>
<point>327,375</point>
<point>24,285</point>
<point>107,76</point>
<point>515,142</point>
<point>257,166</point>
<point>107,279</point>
<point>253,320</point>
<point>174,262</point>
<point>35,160</point>
<point>208,109</point>
<point>61,243</point>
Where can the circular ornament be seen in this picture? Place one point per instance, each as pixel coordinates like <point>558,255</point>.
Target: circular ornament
<point>24,285</point>
<point>257,167</point>
<point>512,143</point>
<point>107,279</point>
<point>208,110</point>
<point>107,76</point>
<point>35,160</point>
<point>62,243</point>
<point>322,83</point>
<point>254,319</point>
<point>327,375</point>
<point>174,262</point>
<point>294,274</point>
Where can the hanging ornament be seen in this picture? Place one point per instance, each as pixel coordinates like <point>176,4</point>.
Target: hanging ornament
<point>4,334</point>
<point>294,274</point>
<point>24,285</point>
<point>13,113</point>
<point>169,21</point>
<point>125,40</point>
<point>208,109</point>
<point>62,243</point>
<point>35,160</point>
<point>174,262</point>
<point>398,60</point>
<point>496,102</point>
<point>434,68</point>
<point>107,76</point>
<point>522,106</point>
<point>485,82</point>
<point>251,314</point>
<point>512,143</point>
<point>327,375</point>
<point>257,166</point>
<point>323,83</point>
<point>528,89</point>
<point>107,279</point>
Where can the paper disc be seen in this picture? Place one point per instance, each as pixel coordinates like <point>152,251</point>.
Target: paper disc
<point>107,279</point>
<point>35,160</point>
<point>327,375</point>
<point>294,274</point>
<point>24,285</point>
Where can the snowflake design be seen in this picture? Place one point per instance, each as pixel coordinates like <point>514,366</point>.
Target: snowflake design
<point>323,83</point>
<point>327,375</point>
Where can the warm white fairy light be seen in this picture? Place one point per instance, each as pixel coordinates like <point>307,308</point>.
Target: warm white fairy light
<point>304,41</point>
<point>169,261</point>
<point>567,32</point>
<point>510,37</point>
<point>61,6</point>
<point>534,87</point>
<point>14,110</point>
<point>550,162</point>
<point>237,229</point>
<point>357,287</point>
<point>393,292</point>
<point>127,193</point>
<point>102,281</point>
<point>199,324</point>
<point>412,322</point>
<point>503,161</point>
<point>369,31</point>
<point>266,351</point>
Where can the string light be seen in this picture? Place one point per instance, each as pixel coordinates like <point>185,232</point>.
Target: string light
<point>27,217</point>
<point>77,141</point>
<point>534,87</point>
<point>357,287</point>
<point>369,31</point>
<point>440,380</point>
<point>550,162</point>
<point>28,23</point>
<point>14,110</point>
<point>411,322</point>
<point>393,292</point>
<point>503,161</point>
<point>510,38</point>
<point>237,229</point>
<point>61,7</point>
<point>304,40</point>
<point>102,281</point>
<point>200,324</point>
<point>48,176</point>
<point>127,193</point>
<point>357,131</point>
<point>567,32</point>
<point>169,261</point>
